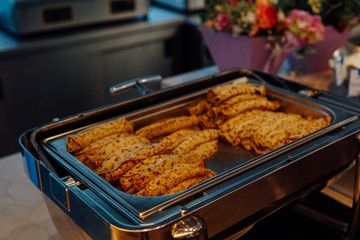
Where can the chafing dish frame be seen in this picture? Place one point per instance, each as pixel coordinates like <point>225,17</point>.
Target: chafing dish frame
<point>232,188</point>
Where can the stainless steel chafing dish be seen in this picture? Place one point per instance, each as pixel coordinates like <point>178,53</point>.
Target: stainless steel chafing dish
<point>246,189</point>
<point>32,16</point>
<point>183,5</point>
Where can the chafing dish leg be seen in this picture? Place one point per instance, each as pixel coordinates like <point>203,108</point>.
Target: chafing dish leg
<point>355,223</point>
<point>189,228</point>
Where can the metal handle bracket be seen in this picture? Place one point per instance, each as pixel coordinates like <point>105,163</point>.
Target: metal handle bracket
<point>138,83</point>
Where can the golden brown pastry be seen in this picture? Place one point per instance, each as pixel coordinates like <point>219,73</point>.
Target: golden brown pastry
<point>111,160</point>
<point>195,139</point>
<point>188,183</point>
<point>133,158</point>
<point>200,108</point>
<point>258,103</point>
<point>98,155</point>
<point>173,176</point>
<point>76,142</point>
<point>80,155</point>
<point>167,126</point>
<point>126,179</point>
<point>216,96</point>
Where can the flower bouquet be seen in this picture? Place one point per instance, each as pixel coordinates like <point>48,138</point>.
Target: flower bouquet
<point>338,17</point>
<point>259,34</point>
<point>280,32</point>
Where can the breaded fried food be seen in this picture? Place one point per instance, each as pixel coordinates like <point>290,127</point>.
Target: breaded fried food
<point>133,158</point>
<point>195,139</point>
<point>173,176</point>
<point>126,179</point>
<point>77,141</point>
<point>261,134</point>
<point>108,163</point>
<point>172,142</point>
<point>200,108</point>
<point>175,136</point>
<point>216,96</point>
<point>205,150</point>
<point>247,126</point>
<point>232,101</point>
<point>205,121</point>
<point>81,155</point>
<point>257,103</point>
<point>277,137</point>
<point>230,123</point>
<point>98,155</point>
<point>141,179</point>
<point>312,126</point>
<point>188,183</point>
<point>199,154</point>
<point>167,126</point>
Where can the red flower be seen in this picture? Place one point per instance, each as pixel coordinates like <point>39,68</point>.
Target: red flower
<point>234,2</point>
<point>266,16</point>
<point>222,22</point>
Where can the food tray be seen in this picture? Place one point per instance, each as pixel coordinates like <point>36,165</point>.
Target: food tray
<point>228,162</point>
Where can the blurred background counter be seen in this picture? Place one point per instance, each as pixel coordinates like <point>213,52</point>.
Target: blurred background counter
<point>57,74</point>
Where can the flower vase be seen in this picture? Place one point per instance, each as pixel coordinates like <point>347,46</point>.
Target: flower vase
<point>242,51</point>
<point>319,60</point>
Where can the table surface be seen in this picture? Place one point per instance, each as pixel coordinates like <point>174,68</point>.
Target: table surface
<point>23,212</point>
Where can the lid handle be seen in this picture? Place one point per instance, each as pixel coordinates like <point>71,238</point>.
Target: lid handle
<point>139,83</point>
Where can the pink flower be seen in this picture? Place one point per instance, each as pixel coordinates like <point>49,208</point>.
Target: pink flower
<point>305,27</point>
<point>222,22</point>
<point>316,24</point>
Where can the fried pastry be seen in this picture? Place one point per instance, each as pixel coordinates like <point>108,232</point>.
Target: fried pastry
<point>109,162</point>
<point>188,183</point>
<point>258,103</point>
<point>173,176</point>
<point>127,178</point>
<point>76,142</point>
<point>261,134</point>
<point>98,155</point>
<point>232,101</point>
<point>200,108</point>
<point>218,96</point>
<point>131,159</point>
<point>167,126</point>
<point>196,139</point>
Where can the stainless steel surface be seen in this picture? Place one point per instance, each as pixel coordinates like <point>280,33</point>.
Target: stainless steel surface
<point>33,16</point>
<point>66,228</point>
<point>189,228</point>
<point>284,175</point>
<point>139,83</point>
<point>228,162</point>
<point>183,5</point>
<point>354,224</point>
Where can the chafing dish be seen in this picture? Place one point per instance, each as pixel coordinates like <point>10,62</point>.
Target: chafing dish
<point>182,5</point>
<point>30,16</point>
<point>247,188</point>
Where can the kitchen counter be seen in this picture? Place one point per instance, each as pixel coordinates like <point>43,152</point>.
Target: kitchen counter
<point>11,45</point>
<point>82,64</point>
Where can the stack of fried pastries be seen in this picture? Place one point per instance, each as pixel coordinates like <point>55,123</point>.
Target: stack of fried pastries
<point>169,156</point>
<point>158,159</point>
<point>245,116</point>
